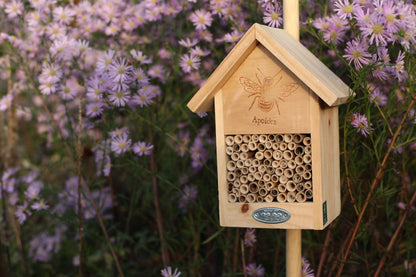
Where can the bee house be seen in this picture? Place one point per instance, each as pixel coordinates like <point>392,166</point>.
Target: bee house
<point>277,135</point>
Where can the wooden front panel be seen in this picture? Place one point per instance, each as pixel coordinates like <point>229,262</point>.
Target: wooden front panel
<point>263,97</point>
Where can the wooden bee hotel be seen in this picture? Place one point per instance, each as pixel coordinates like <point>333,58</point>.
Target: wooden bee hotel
<point>277,135</point>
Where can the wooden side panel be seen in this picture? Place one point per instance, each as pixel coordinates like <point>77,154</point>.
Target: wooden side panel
<point>325,161</point>
<point>316,160</point>
<point>262,96</point>
<point>330,161</point>
<point>221,157</point>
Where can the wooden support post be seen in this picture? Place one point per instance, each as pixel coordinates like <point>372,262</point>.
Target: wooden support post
<point>293,236</point>
<point>293,252</point>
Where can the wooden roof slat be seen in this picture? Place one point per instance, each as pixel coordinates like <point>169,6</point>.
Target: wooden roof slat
<point>296,57</point>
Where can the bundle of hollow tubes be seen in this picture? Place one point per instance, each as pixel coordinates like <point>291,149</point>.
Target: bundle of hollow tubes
<point>269,168</point>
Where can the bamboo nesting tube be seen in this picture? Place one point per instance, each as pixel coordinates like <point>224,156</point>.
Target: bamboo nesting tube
<point>291,145</point>
<point>229,140</point>
<point>246,138</point>
<point>243,179</point>
<point>229,150</point>
<point>283,146</point>
<point>238,139</point>
<point>239,164</point>
<point>262,138</point>
<point>244,170</point>
<point>277,155</point>
<point>269,198</point>
<point>290,186</point>
<point>232,198</point>
<point>230,177</point>
<point>274,178</point>
<point>281,188</point>
<point>291,196</point>
<point>281,197</point>
<point>259,155</point>
<point>307,175</point>
<point>300,197</point>
<point>251,197</point>
<point>253,187</point>
<point>270,170</point>
<point>287,137</point>
<point>236,147</point>
<point>252,146</point>
<point>231,166</point>
<point>291,164</point>
<point>308,194</point>
<point>275,146</point>
<point>270,185</point>
<point>255,138</point>
<point>244,148</point>
<point>251,177</point>
<point>235,156</point>
<point>263,192</point>
<point>274,192</point>
<point>248,162</point>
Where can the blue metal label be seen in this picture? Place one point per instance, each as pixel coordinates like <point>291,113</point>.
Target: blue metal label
<point>271,215</point>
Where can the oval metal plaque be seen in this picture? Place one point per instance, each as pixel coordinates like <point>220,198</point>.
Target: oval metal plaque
<point>271,215</point>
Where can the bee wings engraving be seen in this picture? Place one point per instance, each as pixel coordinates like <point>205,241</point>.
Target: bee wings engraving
<point>267,90</point>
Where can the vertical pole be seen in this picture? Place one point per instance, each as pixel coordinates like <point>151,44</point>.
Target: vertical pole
<point>293,236</point>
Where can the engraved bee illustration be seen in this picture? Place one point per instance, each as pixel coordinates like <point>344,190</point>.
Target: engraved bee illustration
<point>267,91</point>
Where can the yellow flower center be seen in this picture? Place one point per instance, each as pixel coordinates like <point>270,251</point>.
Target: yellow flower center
<point>356,54</point>
<point>348,9</point>
<point>378,29</point>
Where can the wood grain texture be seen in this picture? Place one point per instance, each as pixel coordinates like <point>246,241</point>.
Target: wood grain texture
<point>287,50</point>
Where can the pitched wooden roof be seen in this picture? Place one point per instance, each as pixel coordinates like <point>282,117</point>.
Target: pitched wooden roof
<point>290,52</point>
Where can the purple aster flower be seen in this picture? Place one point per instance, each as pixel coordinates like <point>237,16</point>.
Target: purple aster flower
<point>378,97</point>
<point>95,88</point>
<point>360,122</point>
<point>273,17</point>
<point>250,237</point>
<point>120,144</point>
<point>157,71</point>
<point>40,205</point>
<point>201,19</point>
<point>141,148</point>
<point>189,194</point>
<point>375,30</point>
<point>140,57</point>
<point>33,190</point>
<point>68,91</point>
<point>120,71</point>
<point>22,212</point>
<point>119,132</point>
<point>95,109</point>
<point>104,62</point>
<point>198,51</point>
<point>119,98</point>
<point>6,101</point>
<point>51,73</point>
<point>346,8</point>
<point>398,70</point>
<point>63,15</point>
<point>189,62</point>
<point>357,52</point>
<point>167,272</point>
<point>143,98</point>
<point>140,76</point>
<point>188,43</point>
<point>307,271</point>
<point>255,270</point>
<point>14,8</point>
